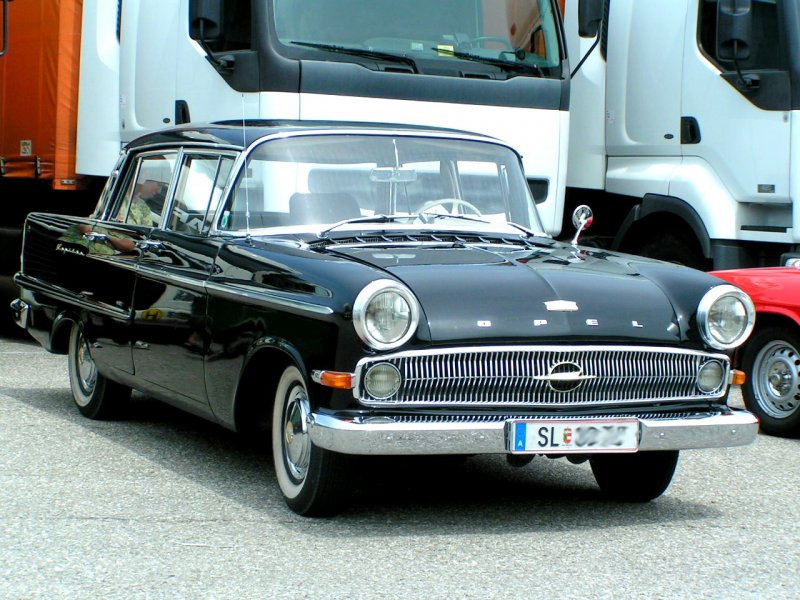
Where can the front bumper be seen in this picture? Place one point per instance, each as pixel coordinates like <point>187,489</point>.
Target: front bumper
<point>383,437</point>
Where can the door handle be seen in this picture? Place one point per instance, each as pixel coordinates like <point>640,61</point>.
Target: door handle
<point>95,236</point>
<point>147,245</point>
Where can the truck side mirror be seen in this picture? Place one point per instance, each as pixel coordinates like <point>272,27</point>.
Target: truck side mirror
<point>734,29</point>
<point>205,20</point>
<point>590,15</point>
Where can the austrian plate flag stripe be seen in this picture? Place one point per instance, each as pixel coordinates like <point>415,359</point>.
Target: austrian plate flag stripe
<point>519,436</point>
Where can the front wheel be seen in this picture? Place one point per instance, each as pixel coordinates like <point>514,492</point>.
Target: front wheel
<point>311,479</point>
<point>95,396</point>
<point>637,477</point>
<point>771,360</point>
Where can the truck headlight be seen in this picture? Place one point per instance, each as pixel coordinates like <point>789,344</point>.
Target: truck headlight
<point>725,316</point>
<point>385,314</point>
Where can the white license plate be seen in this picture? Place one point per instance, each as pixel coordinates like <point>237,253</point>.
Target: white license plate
<point>578,436</point>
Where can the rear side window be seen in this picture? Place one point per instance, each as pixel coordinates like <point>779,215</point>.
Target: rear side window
<point>144,197</point>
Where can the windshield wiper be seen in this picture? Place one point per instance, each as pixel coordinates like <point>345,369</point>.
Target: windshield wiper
<point>526,231</point>
<point>363,52</point>
<point>495,62</point>
<point>428,217</point>
<point>366,219</point>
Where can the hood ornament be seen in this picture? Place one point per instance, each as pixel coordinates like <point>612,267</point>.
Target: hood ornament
<point>561,305</point>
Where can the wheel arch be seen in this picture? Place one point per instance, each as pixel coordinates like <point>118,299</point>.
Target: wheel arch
<point>765,320</point>
<point>60,332</point>
<point>671,214</point>
<point>255,392</point>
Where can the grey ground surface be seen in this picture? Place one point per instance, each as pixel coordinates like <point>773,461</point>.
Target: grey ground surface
<point>163,505</point>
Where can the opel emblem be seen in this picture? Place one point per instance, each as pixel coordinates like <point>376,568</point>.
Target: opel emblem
<point>566,376</point>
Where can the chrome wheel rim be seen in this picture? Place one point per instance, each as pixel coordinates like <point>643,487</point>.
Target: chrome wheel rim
<point>296,442</point>
<point>776,379</point>
<point>85,370</point>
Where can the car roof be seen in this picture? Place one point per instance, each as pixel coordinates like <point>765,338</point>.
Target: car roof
<point>241,134</point>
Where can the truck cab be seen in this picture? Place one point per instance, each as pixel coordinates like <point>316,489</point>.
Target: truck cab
<point>684,121</point>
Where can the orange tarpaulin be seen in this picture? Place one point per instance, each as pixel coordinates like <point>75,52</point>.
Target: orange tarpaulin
<point>39,90</point>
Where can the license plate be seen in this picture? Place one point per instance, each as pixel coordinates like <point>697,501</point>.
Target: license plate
<point>578,436</point>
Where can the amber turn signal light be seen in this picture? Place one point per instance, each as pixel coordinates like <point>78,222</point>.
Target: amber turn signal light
<point>334,379</point>
<point>738,377</point>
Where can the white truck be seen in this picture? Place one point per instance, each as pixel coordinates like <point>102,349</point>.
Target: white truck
<point>685,128</point>
<point>80,78</point>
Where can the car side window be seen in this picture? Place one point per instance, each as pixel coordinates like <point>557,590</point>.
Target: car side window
<point>200,185</point>
<point>145,194</point>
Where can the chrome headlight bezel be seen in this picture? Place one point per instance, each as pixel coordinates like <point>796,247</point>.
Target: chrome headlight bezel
<point>361,313</point>
<point>705,309</point>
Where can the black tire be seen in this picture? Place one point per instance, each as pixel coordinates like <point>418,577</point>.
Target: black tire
<point>637,477</point>
<point>313,480</point>
<point>771,360</point>
<point>675,248</point>
<point>95,396</point>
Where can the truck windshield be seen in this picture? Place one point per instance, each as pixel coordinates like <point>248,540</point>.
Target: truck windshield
<point>427,34</point>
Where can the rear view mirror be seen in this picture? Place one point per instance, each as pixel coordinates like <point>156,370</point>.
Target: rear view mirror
<point>734,29</point>
<point>205,20</point>
<point>590,15</point>
<point>392,175</point>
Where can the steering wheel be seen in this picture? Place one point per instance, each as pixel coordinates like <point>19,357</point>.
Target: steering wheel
<point>452,202</point>
<point>492,39</point>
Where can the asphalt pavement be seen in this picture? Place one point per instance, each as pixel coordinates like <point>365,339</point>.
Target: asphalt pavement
<point>164,505</point>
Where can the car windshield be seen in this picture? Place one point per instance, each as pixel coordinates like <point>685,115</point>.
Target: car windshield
<point>499,31</point>
<point>311,182</point>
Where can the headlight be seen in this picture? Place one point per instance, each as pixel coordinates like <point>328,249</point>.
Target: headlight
<point>725,316</point>
<point>385,314</point>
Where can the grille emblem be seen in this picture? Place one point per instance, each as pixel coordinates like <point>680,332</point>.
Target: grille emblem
<point>565,377</point>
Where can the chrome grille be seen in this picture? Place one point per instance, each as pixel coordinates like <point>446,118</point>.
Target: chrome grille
<point>518,376</point>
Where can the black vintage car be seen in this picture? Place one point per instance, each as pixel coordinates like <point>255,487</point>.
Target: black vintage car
<point>356,289</point>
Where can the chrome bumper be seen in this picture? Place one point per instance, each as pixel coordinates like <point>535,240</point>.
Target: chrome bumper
<point>737,428</point>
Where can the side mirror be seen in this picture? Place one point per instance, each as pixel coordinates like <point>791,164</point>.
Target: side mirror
<point>590,15</point>
<point>582,218</point>
<point>205,20</point>
<point>734,29</point>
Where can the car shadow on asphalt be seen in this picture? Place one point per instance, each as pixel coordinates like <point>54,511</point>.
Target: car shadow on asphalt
<point>390,495</point>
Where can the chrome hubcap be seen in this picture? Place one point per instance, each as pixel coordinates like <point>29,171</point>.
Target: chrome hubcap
<point>87,372</point>
<point>776,379</point>
<point>296,443</point>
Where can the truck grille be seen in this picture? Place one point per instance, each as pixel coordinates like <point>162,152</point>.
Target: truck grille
<point>543,376</point>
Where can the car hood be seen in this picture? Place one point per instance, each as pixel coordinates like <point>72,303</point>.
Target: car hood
<point>556,292</point>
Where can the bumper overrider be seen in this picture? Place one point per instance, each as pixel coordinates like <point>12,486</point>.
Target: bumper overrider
<point>383,436</point>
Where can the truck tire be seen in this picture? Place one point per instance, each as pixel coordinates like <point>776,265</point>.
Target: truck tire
<point>675,248</point>
<point>637,477</point>
<point>771,359</point>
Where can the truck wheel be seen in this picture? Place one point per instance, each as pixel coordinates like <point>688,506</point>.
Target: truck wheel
<point>638,477</point>
<point>771,360</point>
<point>311,479</point>
<point>96,396</point>
<point>674,248</point>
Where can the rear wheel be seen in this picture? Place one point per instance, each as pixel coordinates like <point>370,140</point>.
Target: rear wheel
<point>637,477</point>
<point>311,479</point>
<point>771,360</point>
<point>95,396</point>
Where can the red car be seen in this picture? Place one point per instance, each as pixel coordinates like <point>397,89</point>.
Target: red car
<point>771,357</point>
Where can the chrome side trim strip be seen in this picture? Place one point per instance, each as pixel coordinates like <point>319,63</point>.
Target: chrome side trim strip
<point>71,298</point>
<point>737,428</point>
<point>236,292</point>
